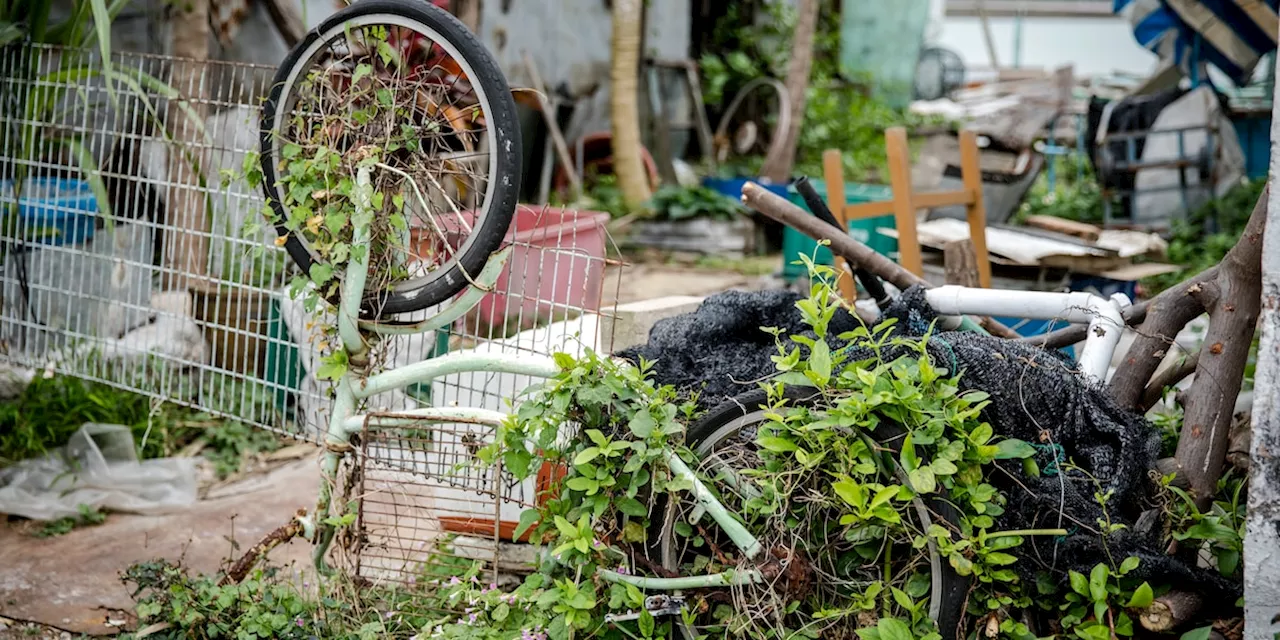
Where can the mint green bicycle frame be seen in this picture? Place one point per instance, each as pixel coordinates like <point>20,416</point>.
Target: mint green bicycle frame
<point>357,385</point>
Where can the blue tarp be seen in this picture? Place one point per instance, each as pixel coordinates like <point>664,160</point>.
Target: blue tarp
<point>1232,35</point>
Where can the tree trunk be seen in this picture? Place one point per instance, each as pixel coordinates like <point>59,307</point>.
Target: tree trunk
<point>1211,401</point>
<point>628,163</point>
<point>187,246</point>
<point>777,167</point>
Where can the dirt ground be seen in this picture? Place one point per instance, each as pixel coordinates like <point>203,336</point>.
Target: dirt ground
<point>72,582</point>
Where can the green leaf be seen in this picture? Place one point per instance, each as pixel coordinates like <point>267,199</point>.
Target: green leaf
<point>1198,634</point>
<point>528,518</point>
<point>981,434</point>
<point>500,612</point>
<point>1129,564</point>
<point>588,485</point>
<point>997,558</point>
<point>820,362</point>
<point>646,623</point>
<point>1228,561</point>
<point>775,444</point>
<point>632,507</point>
<point>884,495</point>
<point>89,169</point>
<point>10,32</point>
<point>1142,597</point>
<point>1098,583</point>
<point>642,424</point>
<point>332,370</point>
<point>361,71</point>
<point>102,25</point>
<point>321,273</point>
<point>910,461</point>
<point>851,492</point>
<point>922,480</point>
<point>1013,449</point>
<point>586,455</point>
<point>894,629</point>
<point>1079,583</point>
<point>566,528</point>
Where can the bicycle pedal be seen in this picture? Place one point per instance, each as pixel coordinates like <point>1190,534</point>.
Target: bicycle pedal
<point>657,606</point>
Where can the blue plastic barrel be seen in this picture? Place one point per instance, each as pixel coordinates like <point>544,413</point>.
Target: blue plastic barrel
<point>54,211</point>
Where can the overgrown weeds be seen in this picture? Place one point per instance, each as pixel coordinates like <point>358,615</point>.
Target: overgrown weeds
<point>51,410</point>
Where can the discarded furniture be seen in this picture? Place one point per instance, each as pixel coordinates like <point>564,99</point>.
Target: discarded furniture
<point>906,202</point>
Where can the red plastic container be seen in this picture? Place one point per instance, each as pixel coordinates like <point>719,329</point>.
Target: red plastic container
<point>556,268</point>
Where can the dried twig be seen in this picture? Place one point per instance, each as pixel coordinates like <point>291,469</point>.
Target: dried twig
<point>283,534</point>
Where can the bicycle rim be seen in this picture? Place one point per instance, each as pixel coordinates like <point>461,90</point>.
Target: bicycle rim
<point>705,446</point>
<point>453,226</point>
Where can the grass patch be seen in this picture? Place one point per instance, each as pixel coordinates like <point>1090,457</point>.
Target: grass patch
<point>51,410</point>
<point>88,517</point>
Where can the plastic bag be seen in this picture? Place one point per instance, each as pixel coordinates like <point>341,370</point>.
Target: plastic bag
<point>97,468</point>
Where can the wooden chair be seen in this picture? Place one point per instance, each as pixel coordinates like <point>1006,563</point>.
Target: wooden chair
<point>906,202</point>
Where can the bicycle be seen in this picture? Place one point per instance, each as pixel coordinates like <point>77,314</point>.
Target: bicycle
<point>380,277</point>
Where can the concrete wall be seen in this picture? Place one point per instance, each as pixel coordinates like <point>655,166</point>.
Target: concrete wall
<point>569,42</point>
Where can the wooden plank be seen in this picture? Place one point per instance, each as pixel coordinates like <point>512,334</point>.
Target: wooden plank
<point>937,199</point>
<point>1082,230</point>
<point>833,176</point>
<point>976,212</point>
<point>864,210</point>
<point>904,210</point>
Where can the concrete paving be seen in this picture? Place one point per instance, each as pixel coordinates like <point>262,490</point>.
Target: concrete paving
<point>72,582</point>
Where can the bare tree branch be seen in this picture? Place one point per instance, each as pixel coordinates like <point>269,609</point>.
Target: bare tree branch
<point>1167,378</point>
<point>1211,400</point>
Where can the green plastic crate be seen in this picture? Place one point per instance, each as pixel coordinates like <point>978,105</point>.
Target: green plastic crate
<point>795,244</point>
<point>282,367</point>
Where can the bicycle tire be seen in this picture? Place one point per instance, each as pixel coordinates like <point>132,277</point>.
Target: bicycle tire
<point>734,414</point>
<point>505,152</point>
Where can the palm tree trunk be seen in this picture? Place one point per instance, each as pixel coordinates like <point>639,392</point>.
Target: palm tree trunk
<point>186,247</point>
<point>628,15</point>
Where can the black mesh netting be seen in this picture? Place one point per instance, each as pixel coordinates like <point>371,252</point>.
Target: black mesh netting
<point>1036,396</point>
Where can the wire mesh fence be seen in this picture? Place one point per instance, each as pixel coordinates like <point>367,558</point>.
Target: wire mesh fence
<point>125,262</point>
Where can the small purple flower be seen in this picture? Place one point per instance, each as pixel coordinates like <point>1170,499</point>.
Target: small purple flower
<point>298,621</point>
<point>454,580</point>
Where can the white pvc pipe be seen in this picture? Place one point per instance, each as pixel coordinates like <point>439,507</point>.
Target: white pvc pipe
<point>1103,316</point>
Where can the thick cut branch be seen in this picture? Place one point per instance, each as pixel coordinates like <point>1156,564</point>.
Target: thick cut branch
<point>857,254</point>
<point>1166,316</point>
<point>1211,400</point>
<point>1170,611</point>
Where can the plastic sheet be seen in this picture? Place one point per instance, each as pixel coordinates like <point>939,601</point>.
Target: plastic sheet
<point>97,468</point>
